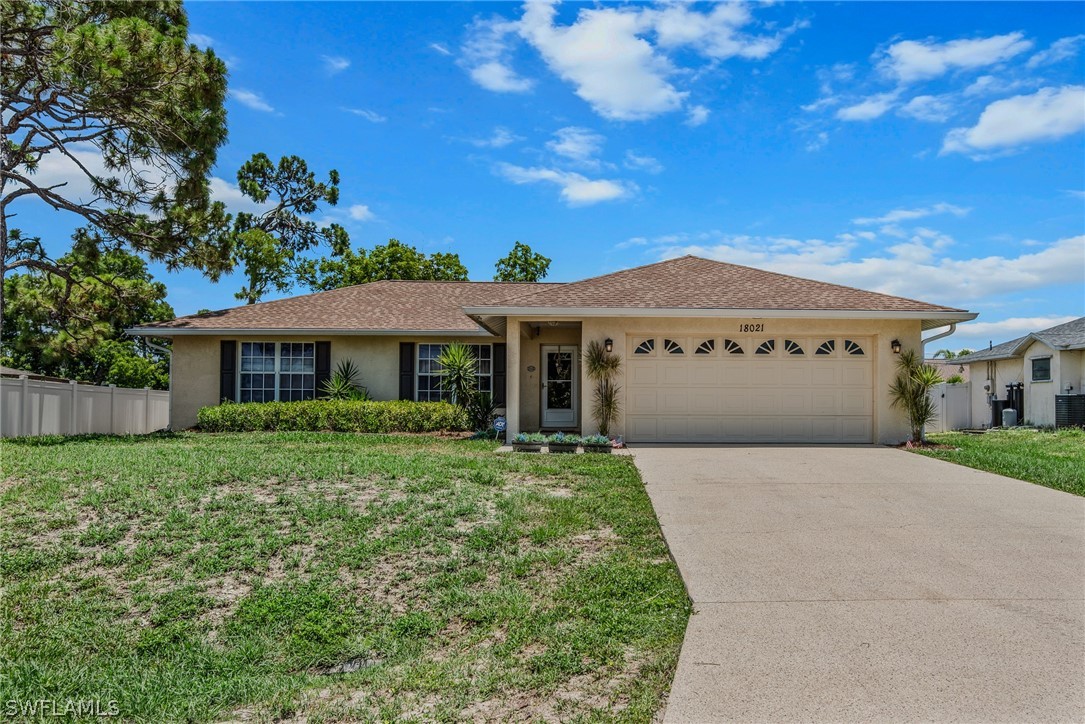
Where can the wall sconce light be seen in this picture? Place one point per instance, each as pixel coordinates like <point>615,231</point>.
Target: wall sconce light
<point>895,346</point>
<point>609,344</point>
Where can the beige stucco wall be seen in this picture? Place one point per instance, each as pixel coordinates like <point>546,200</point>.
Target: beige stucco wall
<point>195,366</point>
<point>997,374</point>
<point>1067,368</point>
<point>890,426</point>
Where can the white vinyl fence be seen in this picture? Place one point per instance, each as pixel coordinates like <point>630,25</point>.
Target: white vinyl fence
<point>34,407</point>
<point>954,405</point>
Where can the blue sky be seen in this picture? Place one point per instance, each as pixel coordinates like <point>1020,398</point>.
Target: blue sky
<point>928,150</point>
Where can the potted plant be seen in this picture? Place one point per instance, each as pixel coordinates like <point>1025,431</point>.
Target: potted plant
<point>597,444</point>
<point>528,442</point>
<point>562,443</point>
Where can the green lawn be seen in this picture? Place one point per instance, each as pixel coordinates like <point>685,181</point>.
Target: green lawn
<point>1054,459</point>
<point>201,577</point>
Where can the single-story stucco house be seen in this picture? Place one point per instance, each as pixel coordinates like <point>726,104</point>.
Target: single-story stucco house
<point>711,352</point>
<point>1046,364</point>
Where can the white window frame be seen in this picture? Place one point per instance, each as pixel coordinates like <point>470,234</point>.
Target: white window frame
<point>444,395</point>
<point>278,367</point>
<point>1032,369</point>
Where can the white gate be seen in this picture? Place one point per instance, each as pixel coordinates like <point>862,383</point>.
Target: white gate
<point>954,406</point>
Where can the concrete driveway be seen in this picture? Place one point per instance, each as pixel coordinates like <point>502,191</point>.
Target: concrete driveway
<point>870,584</point>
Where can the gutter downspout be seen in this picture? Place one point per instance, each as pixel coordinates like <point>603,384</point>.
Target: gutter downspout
<point>951,330</point>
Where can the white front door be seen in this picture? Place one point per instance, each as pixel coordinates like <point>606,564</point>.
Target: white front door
<point>559,386</point>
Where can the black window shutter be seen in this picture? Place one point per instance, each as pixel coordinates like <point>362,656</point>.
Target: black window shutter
<point>228,370</point>
<point>406,370</point>
<point>500,374</point>
<point>323,366</point>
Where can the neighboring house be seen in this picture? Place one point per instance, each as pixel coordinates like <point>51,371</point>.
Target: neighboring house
<point>712,352</point>
<point>949,368</point>
<point>1046,363</point>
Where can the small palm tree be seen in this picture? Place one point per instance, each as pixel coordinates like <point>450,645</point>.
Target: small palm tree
<point>460,370</point>
<point>911,389</point>
<point>602,367</point>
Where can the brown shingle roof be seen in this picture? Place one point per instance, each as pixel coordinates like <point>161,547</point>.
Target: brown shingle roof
<point>691,282</point>
<point>382,306</point>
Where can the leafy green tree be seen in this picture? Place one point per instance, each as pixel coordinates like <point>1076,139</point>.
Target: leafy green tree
<point>949,354</point>
<point>394,260</point>
<point>114,93</point>
<point>267,245</point>
<point>74,327</point>
<point>522,265</point>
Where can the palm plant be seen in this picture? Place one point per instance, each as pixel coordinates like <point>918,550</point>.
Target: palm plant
<point>602,367</point>
<point>460,370</point>
<point>911,389</point>
<point>343,384</point>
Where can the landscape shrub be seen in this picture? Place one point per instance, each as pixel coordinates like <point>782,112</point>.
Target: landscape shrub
<point>333,416</point>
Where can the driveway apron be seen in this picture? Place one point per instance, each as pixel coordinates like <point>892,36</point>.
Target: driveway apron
<point>869,584</point>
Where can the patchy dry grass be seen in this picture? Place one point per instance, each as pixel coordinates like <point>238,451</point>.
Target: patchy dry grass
<point>327,577</point>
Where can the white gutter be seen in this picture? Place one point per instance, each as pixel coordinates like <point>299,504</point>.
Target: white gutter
<point>951,330</point>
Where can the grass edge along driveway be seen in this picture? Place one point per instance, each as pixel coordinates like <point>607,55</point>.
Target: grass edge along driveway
<point>268,575</point>
<point>1052,459</point>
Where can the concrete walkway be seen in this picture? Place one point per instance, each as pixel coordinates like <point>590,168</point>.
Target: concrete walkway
<point>870,584</point>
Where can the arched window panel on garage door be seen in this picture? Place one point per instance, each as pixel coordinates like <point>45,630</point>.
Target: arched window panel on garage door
<point>793,348</point>
<point>732,347</point>
<point>673,346</point>
<point>826,348</point>
<point>768,347</point>
<point>706,347</point>
<point>853,348</point>
<point>644,346</point>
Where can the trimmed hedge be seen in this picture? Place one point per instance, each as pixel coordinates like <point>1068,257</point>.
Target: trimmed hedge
<point>333,416</point>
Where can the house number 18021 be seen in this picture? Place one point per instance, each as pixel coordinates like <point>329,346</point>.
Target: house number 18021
<point>751,328</point>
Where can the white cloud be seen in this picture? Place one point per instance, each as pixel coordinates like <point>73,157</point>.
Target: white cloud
<point>988,85</point>
<point>440,48</point>
<point>576,190</point>
<point>873,107</point>
<point>637,162</point>
<point>200,40</point>
<point>602,55</point>
<point>1046,115</point>
<point>498,77</point>
<point>371,116</point>
<point>697,116</point>
<point>229,194</point>
<point>335,63</point>
<point>486,56</point>
<point>906,270</point>
<point>57,168</point>
<point>936,109</point>
<point>1062,49</point>
<point>361,212</point>
<point>1006,329</point>
<point>577,144</point>
<point>251,99</point>
<point>897,215</point>
<point>608,56</point>
<point>500,138</point>
<point>915,60</point>
<point>818,142</point>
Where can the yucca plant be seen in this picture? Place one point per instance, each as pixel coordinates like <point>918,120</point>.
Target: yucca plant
<point>460,372</point>
<point>911,389</point>
<point>343,384</point>
<point>602,367</point>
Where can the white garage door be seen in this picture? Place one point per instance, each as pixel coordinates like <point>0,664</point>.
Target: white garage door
<point>749,389</point>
